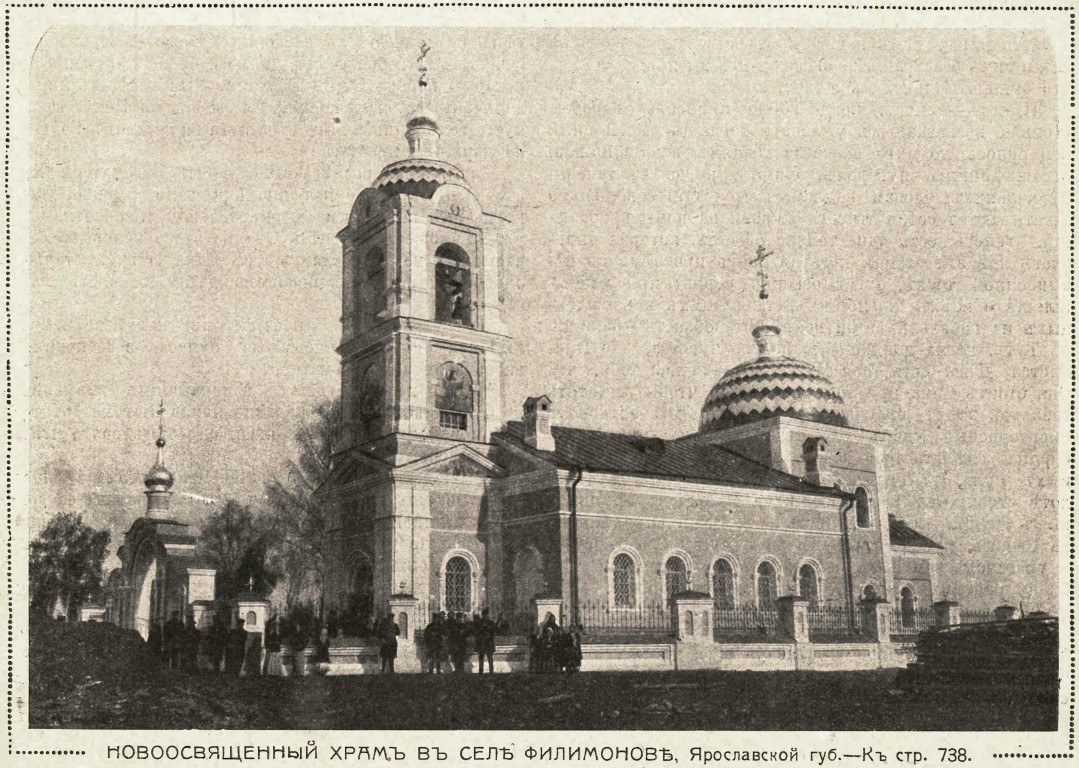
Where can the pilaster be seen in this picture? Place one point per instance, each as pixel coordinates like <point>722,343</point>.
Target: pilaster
<point>407,532</point>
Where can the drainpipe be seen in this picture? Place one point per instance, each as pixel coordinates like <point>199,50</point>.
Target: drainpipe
<point>844,508</point>
<point>574,586</point>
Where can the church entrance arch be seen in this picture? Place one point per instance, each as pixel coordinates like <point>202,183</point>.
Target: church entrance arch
<point>528,578</point>
<point>145,582</point>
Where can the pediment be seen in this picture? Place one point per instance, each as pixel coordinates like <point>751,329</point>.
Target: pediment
<point>460,461</point>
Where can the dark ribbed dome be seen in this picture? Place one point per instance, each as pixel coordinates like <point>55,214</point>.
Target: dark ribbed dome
<point>418,176</point>
<point>421,173</point>
<point>771,385</point>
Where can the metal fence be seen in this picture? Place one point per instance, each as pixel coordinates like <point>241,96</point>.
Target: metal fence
<point>833,622</point>
<point>744,622</point>
<point>911,621</point>
<point>600,618</point>
<point>976,617</point>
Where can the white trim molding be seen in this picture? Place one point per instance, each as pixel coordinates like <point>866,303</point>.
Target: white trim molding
<point>818,571</point>
<point>774,562</point>
<point>736,569</point>
<point>638,586</point>
<point>682,555</point>
<point>473,564</point>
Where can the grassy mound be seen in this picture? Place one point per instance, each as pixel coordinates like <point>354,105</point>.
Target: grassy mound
<point>100,676</point>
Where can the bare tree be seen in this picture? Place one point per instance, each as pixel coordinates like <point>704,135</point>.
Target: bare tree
<point>298,518</point>
<point>236,541</point>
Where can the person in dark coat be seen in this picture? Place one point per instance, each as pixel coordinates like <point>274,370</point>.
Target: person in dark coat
<point>216,639</point>
<point>550,643</point>
<point>235,648</point>
<point>484,630</point>
<point>457,631</point>
<point>387,646</point>
<point>432,644</point>
<point>174,640</point>
<point>271,664</point>
<point>333,624</point>
<point>156,639</point>
<point>571,650</point>
<point>191,640</point>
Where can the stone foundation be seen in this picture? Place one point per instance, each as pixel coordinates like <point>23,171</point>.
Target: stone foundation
<point>362,658</point>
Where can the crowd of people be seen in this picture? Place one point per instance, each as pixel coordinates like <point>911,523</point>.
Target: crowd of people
<point>553,649</point>
<point>448,643</point>
<point>182,645</point>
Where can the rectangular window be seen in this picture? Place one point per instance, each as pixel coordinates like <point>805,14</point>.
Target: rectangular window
<point>451,420</point>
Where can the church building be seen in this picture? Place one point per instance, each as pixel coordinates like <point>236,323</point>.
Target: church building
<point>161,572</point>
<point>436,494</point>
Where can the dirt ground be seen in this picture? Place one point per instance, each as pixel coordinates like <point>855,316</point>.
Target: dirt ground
<point>98,676</point>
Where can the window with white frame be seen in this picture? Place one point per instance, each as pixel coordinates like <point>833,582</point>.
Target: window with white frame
<point>723,585</point>
<point>808,585</point>
<point>906,607</point>
<point>624,581</point>
<point>675,576</point>
<point>766,585</point>
<point>861,508</point>
<point>458,585</point>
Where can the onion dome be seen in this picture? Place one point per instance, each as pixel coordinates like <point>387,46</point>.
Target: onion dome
<point>158,478</point>
<point>771,385</point>
<point>422,172</point>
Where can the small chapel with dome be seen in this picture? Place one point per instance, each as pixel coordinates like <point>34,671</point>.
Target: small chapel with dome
<point>436,495</point>
<point>161,572</point>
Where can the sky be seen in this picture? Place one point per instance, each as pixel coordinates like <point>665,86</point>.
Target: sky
<point>187,184</point>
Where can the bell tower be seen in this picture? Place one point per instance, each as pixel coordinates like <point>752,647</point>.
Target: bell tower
<point>422,337</point>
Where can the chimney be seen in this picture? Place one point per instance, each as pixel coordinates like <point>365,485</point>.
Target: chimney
<point>818,460</point>
<point>537,420</point>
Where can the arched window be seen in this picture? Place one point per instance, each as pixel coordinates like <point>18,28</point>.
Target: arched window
<point>906,607</point>
<point>624,581</point>
<point>861,508</point>
<point>807,585</point>
<point>453,285</point>
<point>723,585</point>
<point>368,284</point>
<point>370,397</point>
<point>675,573</point>
<point>869,592</point>
<point>453,397</point>
<point>458,585</point>
<point>766,585</point>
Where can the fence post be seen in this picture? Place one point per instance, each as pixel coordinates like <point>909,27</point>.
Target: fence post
<point>794,617</point>
<point>1005,612</point>
<point>876,615</point>
<point>947,613</point>
<point>694,613</point>
<point>547,605</point>
<point>406,611</point>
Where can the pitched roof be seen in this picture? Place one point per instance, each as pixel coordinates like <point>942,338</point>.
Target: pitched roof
<point>653,456</point>
<point>902,535</point>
